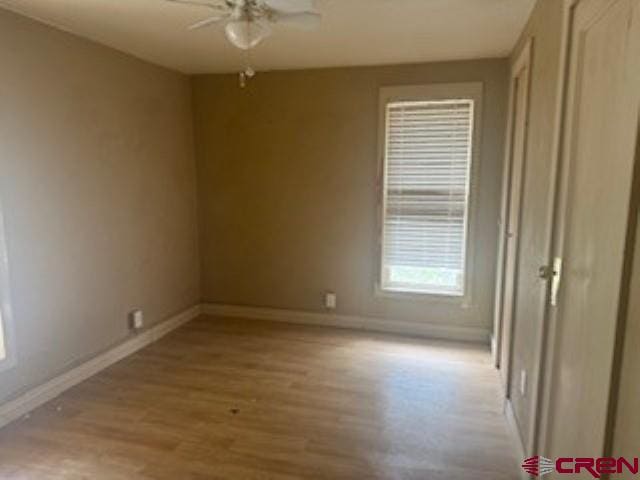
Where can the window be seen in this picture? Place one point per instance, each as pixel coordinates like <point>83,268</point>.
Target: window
<point>428,152</point>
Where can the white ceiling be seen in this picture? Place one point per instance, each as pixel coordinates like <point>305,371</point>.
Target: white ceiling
<point>353,32</point>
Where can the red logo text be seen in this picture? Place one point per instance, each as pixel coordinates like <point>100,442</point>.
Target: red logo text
<point>596,467</point>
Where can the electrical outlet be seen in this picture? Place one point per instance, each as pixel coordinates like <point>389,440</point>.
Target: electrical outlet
<point>136,319</point>
<point>330,300</point>
<point>523,383</point>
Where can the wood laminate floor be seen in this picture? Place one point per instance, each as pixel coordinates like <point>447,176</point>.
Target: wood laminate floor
<point>240,399</point>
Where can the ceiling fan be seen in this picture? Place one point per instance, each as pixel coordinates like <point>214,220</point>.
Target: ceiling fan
<point>248,22</point>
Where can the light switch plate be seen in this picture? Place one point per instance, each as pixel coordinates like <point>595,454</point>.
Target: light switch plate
<point>136,319</point>
<point>523,382</point>
<point>330,300</point>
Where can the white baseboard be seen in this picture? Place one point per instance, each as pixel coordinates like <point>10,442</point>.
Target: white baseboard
<point>448,332</point>
<point>41,394</point>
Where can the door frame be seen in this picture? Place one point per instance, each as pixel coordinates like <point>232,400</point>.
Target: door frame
<point>544,351</point>
<point>628,305</point>
<point>499,343</point>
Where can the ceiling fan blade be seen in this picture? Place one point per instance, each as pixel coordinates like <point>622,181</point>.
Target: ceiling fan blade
<point>290,6</point>
<point>206,22</point>
<point>303,20</point>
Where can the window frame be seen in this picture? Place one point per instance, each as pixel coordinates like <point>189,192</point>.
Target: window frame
<point>431,92</point>
<point>6,318</point>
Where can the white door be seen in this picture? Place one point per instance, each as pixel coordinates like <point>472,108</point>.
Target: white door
<point>511,209</point>
<point>603,102</point>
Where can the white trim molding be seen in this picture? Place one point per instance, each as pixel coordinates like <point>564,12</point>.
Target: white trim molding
<point>430,330</point>
<point>434,92</point>
<point>41,394</point>
<point>37,396</point>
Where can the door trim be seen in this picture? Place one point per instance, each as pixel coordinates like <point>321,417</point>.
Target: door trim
<point>630,251</point>
<point>523,60</point>
<point>544,351</point>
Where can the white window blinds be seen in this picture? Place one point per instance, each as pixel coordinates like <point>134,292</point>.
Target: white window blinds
<point>426,195</point>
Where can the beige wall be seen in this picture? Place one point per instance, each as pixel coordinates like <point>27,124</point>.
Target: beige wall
<point>287,180</point>
<point>545,28</point>
<point>97,182</point>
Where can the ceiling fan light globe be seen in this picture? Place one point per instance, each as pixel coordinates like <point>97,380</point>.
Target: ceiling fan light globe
<point>246,34</point>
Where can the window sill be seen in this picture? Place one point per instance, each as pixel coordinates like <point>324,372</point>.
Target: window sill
<point>462,301</point>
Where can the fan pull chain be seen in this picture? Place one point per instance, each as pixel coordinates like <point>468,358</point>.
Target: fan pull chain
<point>248,72</point>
